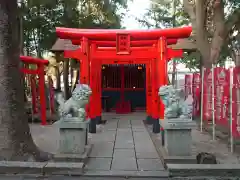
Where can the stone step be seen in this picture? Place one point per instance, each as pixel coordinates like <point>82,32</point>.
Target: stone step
<point>41,168</point>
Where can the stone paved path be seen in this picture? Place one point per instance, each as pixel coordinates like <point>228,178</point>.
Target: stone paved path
<point>123,144</point>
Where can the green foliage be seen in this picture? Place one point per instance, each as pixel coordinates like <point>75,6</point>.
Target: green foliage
<point>165,13</point>
<point>40,17</point>
<point>191,60</point>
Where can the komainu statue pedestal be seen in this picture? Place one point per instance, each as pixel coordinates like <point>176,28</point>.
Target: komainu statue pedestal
<point>73,126</point>
<point>177,125</point>
<point>73,136</point>
<point>177,136</point>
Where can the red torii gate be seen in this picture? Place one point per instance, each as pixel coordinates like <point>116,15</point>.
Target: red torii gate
<point>124,47</point>
<point>40,72</point>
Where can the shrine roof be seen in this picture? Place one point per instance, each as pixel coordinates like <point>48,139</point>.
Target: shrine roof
<point>110,34</point>
<point>63,44</point>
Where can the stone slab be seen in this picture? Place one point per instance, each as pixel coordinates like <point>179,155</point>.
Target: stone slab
<point>147,155</point>
<point>150,165</point>
<point>106,136</point>
<point>123,153</point>
<point>138,129</point>
<point>72,124</point>
<point>61,168</point>
<point>124,126</point>
<point>217,170</point>
<point>147,141</point>
<point>144,148</point>
<point>74,157</point>
<point>124,134</point>
<point>128,174</point>
<point>121,144</point>
<point>129,164</point>
<point>99,164</point>
<point>111,125</point>
<point>16,167</point>
<point>124,130</point>
<point>102,149</point>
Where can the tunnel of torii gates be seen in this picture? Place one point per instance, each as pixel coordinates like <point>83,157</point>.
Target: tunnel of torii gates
<point>106,46</point>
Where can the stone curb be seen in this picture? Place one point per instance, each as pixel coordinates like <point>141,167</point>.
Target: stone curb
<point>41,168</point>
<point>210,170</point>
<point>145,174</point>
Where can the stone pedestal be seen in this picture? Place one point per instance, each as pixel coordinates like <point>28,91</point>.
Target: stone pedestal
<point>177,136</point>
<point>73,136</point>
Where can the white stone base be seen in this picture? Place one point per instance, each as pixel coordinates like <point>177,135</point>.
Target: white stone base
<point>73,136</point>
<point>177,136</point>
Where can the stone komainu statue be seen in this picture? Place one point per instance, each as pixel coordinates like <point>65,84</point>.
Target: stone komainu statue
<point>74,106</point>
<point>175,104</point>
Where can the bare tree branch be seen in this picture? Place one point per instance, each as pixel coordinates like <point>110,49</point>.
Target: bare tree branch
<point>218,36</point>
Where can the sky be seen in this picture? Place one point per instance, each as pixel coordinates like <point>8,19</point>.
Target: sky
<point>137,8</point>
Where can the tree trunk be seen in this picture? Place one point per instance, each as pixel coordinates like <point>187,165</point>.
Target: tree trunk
<point>71,75</point>
<point>75,79</point>
<point>66,78</point>
<point>58,79</point>
<point>237,60</point>
<point>58,74</point>
<point>16,142</point>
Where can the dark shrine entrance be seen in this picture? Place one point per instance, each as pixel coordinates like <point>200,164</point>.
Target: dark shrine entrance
<point>124,83</point>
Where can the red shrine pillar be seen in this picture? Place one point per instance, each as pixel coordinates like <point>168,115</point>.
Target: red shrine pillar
<point>87,77</point>
<point>159,79</point>
<point>96,72</point>
<point>84,62</point>
<point>162,72</point>
<point>148,93</point>
<point>155,100</point>
<point>92,81</point>
<point>42,94</point>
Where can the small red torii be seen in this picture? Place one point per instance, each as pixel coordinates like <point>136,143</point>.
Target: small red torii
<point>40,72</point>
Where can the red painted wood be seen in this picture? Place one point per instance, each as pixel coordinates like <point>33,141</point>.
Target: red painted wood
<point>51,95</point>
<point>132,43</point>
<point>85,59</point>
<point>75,54</point>
<point>30,71</point>
<point>171,53</point>
<point>148,89</point>
<point>135,55</point>
<point>40,72</point>
<point>69,33</point>
<point>34,94</point>
<point>42,94</point>
<point>31,60</point>
<point>162,71</point>
<point>98,86</point>
<point>124,53</point>
<point>155,113</point>
<point>132,58</point>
